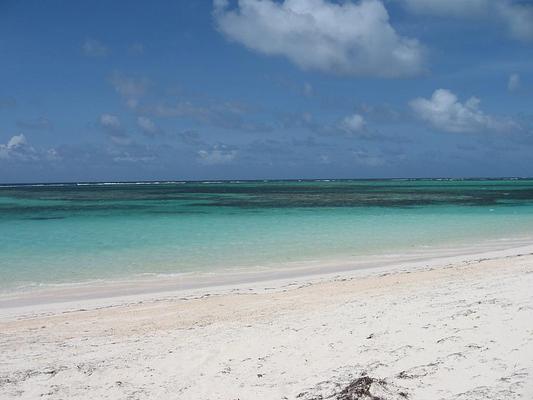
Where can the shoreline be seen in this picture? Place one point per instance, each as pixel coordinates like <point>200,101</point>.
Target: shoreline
<point>451,328</point>
<point>119,292</point>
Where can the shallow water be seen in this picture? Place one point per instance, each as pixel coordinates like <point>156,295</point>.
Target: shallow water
<point>71,232</point>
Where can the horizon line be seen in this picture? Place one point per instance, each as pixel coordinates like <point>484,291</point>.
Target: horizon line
<point>184,181</point>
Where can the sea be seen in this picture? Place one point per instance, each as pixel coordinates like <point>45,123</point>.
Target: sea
<point>70,233</point>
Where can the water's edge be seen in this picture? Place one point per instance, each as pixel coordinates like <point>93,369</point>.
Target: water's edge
<point>105,293</point>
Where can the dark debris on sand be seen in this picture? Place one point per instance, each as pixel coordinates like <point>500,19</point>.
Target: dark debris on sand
<point>362,388</point>
<point>358,389</point>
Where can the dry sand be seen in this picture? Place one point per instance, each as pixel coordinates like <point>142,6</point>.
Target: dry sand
<point>440,330</point>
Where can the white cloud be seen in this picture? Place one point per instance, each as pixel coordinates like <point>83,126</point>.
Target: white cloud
<point>445,112</point>
<point>16,142</point>
<point>516,16</point>
<point>148,127</point>
<point>113,128</point>
<point>131,89</point>
<point>353,123</point>
<point>347,38</point>
<point>93,48</point>
<point>218,154</point>
<point>17,148</point>
<point>514,82</point>
<point>52,155</point>
<point>110,122</point>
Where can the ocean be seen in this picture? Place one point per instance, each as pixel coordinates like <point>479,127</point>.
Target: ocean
<point>55,234</point>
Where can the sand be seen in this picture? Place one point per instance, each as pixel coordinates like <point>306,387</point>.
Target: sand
<point>458,328</point>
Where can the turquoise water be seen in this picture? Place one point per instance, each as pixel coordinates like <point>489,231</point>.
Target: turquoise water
<point>72,233</point>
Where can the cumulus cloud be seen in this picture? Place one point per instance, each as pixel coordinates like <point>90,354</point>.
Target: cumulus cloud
<point>229,115</point>
<point>16,142</point>
<point>516,16</point>
<point>17,148</point>
<point>445,112</point>
<point>113,128</point>
<point>110,122</point>
<point>131,89</point>
<point>218,154</point>
<point>344,38</point>
<point>514,82</point>
<point>353,124</point>
<point>147,126</point>
<point>94,48</point>
<point>52,155</point>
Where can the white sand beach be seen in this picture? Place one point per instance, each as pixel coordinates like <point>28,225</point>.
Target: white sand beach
<point>266,200</point>
<point>451,328</point>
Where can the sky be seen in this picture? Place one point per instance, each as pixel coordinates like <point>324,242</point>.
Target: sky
<point>265,89</point>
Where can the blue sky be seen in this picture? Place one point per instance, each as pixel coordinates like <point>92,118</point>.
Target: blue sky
<point>257,89</point>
